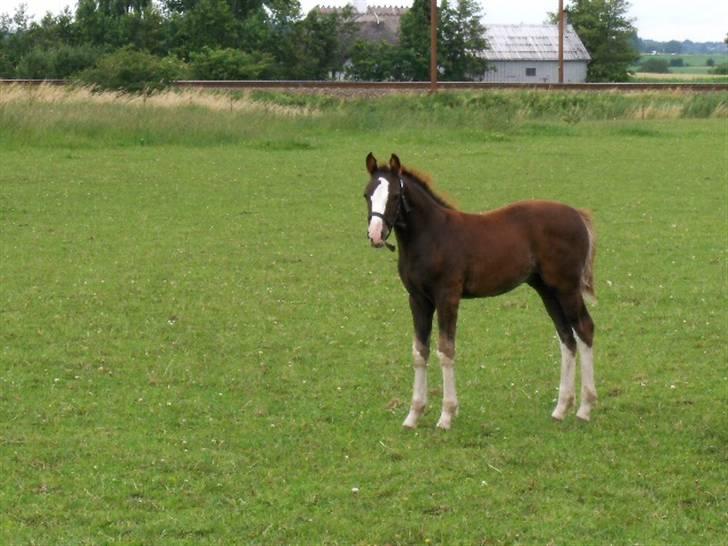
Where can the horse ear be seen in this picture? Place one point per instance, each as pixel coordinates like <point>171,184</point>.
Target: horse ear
<point>394,164</point>
<point>371,163</point>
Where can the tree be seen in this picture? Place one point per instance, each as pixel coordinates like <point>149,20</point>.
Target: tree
<point>378,61</point>
<point>673,46</point>
<point>58,61</point>
<point>264,37</point>
<point>608,35</point>
<point>414,41</point>
<point>134,71</point>
<point>14,38</point>
<point>463,41</point>
<point>655,65</point>
<point>113,24</point>
<point>316,45</point>
<point>460,37</point>
<point>227,64</point>
<point>721,69</point>
<point>209,24</point>
<point>241,9</point>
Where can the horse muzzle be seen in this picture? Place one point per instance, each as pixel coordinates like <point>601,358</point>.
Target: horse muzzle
<point>378,232</point>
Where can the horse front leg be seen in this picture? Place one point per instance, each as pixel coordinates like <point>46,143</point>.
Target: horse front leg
<point>447,316</point>
<point>422,311</point>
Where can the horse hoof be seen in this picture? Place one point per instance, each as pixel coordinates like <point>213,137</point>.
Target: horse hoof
<point>557,416</point>
<point>410,423</point>
<point>583,415</point>
<point>443,424</point>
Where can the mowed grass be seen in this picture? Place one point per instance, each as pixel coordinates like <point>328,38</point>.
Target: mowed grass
<point>198,345</point>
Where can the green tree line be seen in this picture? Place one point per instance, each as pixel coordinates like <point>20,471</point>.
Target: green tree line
<point>145,44</point>
<point>155,42</point>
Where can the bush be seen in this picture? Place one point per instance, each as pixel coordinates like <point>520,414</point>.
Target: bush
<point>659,66</point>
<point>677,62</point>
<point>58,62</point>
<point>710,62</point>
<point>721,69</point>
<point>133,71</point>
<point>228,64</point>
<point>7,70</point>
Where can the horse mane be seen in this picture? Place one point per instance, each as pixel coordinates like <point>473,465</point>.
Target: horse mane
<point>424,181</point>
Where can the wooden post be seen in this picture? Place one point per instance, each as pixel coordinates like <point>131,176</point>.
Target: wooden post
<point>561,41</point>
<point>433,46</point>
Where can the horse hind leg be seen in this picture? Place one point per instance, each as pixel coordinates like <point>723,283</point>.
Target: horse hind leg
<point>585,340</point>
<point>446,353</point>
<point>583,326</point>
<point>567,343</point>
<point>447,316</point>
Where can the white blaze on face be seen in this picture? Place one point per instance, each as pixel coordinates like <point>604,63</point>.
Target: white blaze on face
<point>379,205</point>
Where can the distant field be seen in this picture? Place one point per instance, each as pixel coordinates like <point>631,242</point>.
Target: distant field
<point>694,65</point>
<point>693,61</point>
<point>681,76</point>
<point>198,346</point>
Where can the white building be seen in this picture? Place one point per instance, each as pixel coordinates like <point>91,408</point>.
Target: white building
<point>530,54</point>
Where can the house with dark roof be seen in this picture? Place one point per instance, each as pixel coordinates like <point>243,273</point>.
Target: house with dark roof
<point>374,23</point>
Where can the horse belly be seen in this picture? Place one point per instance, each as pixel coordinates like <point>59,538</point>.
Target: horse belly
<point>492,274</point>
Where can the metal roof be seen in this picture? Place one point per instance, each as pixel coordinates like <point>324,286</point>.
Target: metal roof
<point>532,43</point>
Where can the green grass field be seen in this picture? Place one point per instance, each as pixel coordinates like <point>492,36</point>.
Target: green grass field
<point>696,64</point>
<point>695,68</point>
<point>198,346</point>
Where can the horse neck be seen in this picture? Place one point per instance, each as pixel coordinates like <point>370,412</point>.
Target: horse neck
<point>423,212</point>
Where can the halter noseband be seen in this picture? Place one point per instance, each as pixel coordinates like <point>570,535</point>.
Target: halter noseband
<point>401,204</point>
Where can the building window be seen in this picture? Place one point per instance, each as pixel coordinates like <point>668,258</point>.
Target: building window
<point>530,72</point>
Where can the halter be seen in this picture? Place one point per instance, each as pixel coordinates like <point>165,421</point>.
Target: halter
<point>402,204</point>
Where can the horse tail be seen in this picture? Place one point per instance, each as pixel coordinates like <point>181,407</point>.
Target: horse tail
<point>587,275</point>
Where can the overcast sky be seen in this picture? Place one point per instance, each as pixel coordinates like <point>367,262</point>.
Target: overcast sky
<point>696,20</point>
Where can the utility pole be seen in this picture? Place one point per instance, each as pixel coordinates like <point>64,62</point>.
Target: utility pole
<point>561,41</point>
<point>433,46</point>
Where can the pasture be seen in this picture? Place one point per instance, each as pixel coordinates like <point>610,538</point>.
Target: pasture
<point>691,64</point>
<point>198,345</point>
<point>694,68</point>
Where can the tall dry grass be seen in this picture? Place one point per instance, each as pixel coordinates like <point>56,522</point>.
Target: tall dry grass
<point>76,116</point>
<point>49,115</point>
<point>170,99</point>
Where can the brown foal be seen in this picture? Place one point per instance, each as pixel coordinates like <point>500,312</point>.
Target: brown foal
<point>446,255</point>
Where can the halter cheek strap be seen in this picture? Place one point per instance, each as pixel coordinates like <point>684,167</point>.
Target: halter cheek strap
<point>402,199</point>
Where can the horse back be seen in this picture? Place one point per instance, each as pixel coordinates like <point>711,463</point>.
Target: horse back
<point>507,246</point>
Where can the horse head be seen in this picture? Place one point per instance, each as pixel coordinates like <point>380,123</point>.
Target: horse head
<point>383,194</point>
